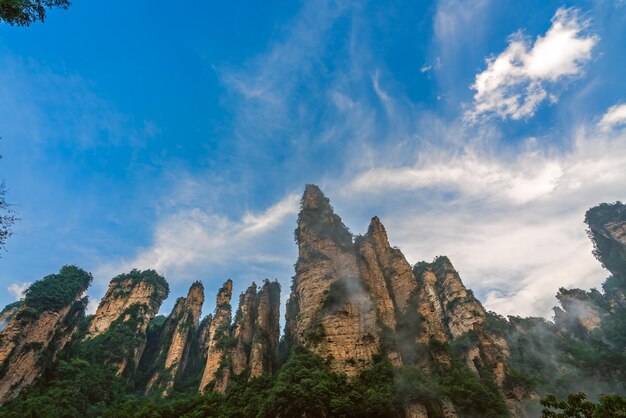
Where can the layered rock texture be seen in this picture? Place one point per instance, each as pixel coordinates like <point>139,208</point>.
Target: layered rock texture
<point>352,301</point>
<point>250,346</point>
<point>330,310</point>
<point>357,305</point>
<point>40,328</point>
<point>8,313</point>
<point>128,306</point>
<point>218,340</point>
<point>175,341</point>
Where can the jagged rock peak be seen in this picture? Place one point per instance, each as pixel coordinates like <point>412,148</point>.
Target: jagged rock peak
<point>130,303</point>
<point>146,288</point>
<point>314,199</point>
<point>266,330</point>
<point>376,227</point>
<point>175,340</point>
<point>219,333</point>
<point>225,293</point>
<point>317,220</point>
<point>329,308</point>
<point>40,328</point>
<point>607,230</point>
<point>243,328</point>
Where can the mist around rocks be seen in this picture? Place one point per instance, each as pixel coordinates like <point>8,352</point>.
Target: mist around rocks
<point>366,334</point>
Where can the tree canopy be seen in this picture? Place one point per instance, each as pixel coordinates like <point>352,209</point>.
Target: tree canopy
<point>25,12</point>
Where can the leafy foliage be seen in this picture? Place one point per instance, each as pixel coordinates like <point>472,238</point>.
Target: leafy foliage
<point>57,291</point>
<point>25,12</point>
<point>577,406</point>
<point>8,217</point>
<point>149,277</point>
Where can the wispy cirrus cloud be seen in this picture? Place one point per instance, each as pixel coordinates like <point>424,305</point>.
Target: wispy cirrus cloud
<point>523,76</point>
<point>511,223</point>
<point>189,242</point>
<point>615,116</point>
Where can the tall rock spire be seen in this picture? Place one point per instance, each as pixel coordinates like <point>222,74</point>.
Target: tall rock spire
<point>243,329</point>
<point>175,340</point>
<point>219,333</point>
<point>266,330</point>
<point>40,328</point>
<point>130,303</point>
<point>330,312</point>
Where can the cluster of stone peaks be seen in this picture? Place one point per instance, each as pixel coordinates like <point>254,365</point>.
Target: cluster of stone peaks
<point>351,300</point>
<point>354,300</point>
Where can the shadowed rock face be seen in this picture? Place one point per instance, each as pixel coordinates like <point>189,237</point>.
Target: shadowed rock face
<point>243,329</point>
<point>175,340</point>
<point>219,334</point>
<point>266,331</point>
<point>251,344</point>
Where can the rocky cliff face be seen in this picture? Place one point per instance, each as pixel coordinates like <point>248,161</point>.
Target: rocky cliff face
<point>175,341</point>
<point>330,311</point>
<point>40,329</point>
<point>130,303</point>
<point>251,344</point>
<point>243,329</point>
<point>8,313</point>
<point>266,330</point>
<point>218,341</point>
<point>353,300</point>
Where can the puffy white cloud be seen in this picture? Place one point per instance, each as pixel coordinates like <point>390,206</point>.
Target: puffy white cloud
<point>615,116</point>
<point>92,306</point>
<point>520,78</point>
<point>17,289</point>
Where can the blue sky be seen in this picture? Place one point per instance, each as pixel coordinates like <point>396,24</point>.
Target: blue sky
<point>181,138</point>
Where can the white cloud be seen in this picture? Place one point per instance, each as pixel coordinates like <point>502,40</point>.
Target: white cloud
<point>192,239</point>
<point>512,225</point>
<point>614,116</point>
<point>17,289</point>
<point>471,174</point>
<point>92,306</point>
<point>518,80</point>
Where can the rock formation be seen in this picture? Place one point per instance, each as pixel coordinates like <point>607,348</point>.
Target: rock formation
<point>218,341</point>
<point>131,302</point>
<point>8,313</point>
<point>330,311</point>
<point>266,331</point>
<point>41,327</point>
<point>175,340</point>
<point>243,329</point>
<point>251,344</point>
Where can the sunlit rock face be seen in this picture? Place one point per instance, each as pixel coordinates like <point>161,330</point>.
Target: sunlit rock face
<point>132,300</point>
<point>35,334</point>
<point>250,345</point>
<point>218,334</point>
<point>330,310</point>
<point>176,339</point>
<point>7,313</point>
<point>351,297</point>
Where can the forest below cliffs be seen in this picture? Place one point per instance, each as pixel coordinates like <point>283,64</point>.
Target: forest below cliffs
<point>365,335</point>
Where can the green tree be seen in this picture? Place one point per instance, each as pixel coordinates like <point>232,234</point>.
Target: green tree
<point>25,12</point>
<point>577,406</point>
<point>8,217</point>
